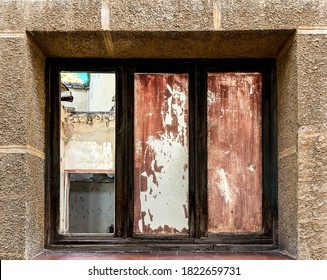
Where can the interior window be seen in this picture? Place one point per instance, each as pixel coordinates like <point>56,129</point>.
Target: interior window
<point>87,152</point>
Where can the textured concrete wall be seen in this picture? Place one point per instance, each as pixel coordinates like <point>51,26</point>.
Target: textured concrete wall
<point>22,114</point>
<point>12,199</point>
<point>50,15</point>
<point>312,144</point>
<point>302,138</point>
<point>162,15</point>
<point>170,28</point>
<point>272,14</point>
<point>287,147</point>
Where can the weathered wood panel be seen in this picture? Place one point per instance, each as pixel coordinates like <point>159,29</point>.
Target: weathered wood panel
<point>161,154</point>
<point>234,152</point>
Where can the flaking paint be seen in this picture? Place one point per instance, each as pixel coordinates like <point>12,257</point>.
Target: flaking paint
<point>161,154</point>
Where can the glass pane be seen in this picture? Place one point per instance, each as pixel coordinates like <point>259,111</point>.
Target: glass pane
<point>91,202</point>
<point>161,154</point>
<point>234,152</point>
<point>87,152</point>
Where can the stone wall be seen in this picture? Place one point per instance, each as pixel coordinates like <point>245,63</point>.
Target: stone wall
<point>22,157</point>
<point>294,32</point>
<point>312,145</point>
<point>287,147</point>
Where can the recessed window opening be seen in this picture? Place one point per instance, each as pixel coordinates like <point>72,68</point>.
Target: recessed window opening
<point>150,153</point>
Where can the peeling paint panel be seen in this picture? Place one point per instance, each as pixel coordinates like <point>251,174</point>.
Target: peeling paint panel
<point>161,154</point>
<point>234,152</point>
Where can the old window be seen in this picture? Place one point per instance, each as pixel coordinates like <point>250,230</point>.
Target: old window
<point>162,153</point>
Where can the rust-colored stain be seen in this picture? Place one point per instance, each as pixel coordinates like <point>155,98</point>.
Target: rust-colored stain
<point>234,152</point>
<point>161,154</point>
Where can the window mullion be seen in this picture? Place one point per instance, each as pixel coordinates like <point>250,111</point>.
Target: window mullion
<point>201,152</point>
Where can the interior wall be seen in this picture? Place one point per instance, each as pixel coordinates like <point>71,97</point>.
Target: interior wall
<point>88,141</point>
<point>102,92</point>
<point>91,205</point>
<point>80,102</point>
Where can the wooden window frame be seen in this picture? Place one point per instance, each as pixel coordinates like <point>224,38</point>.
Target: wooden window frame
<point>198,238</point>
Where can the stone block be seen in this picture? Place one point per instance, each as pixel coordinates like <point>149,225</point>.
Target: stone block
<point>13,175</point>
<point>192,44</point>
<point>13,91</point>
<point>323,12</point>
<point>312,227</point>
<point>12,230</point>
<point>13,189</point>
<point>312,192</point>
<point>12,15</point>
<point>22,88</point>
<point>72,44</point>
<point>22,198</point>
<point>163,15</point>
<point>51,15</point>
<point>312,78</point>
<point>271,14</point>
<point>68,15</point>
<point>287,204</point>
<point>312,149</point>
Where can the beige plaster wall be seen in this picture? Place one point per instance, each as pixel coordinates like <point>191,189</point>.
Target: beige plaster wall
<point>32,30</point>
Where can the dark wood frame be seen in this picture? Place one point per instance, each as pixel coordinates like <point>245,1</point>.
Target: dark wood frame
<point>198,239</point>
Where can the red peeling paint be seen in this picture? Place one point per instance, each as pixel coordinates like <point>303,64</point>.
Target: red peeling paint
<point>234,152</point>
